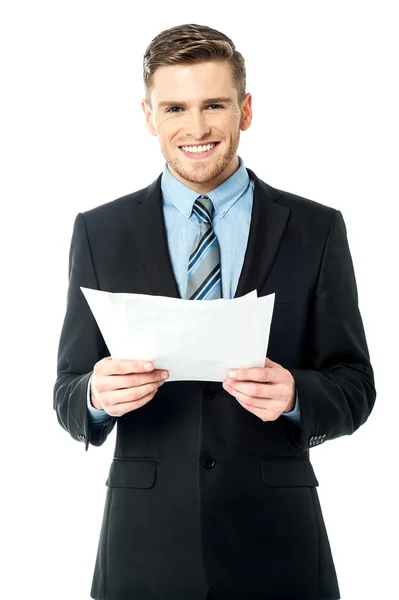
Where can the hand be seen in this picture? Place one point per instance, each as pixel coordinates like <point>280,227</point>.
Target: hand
<point>120,386</point>
<point>267,391</point>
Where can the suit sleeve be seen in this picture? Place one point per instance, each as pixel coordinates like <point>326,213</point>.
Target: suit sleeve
<point>337,392</point>
<point>81,345</point>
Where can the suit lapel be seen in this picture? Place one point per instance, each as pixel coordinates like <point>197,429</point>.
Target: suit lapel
<point>147,228</point>
<point>148,232</point>
<point>268,223</point>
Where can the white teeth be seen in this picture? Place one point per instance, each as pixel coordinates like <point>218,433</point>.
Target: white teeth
<point>198,149</point>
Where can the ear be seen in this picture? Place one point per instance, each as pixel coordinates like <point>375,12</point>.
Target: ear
<point>147,110</point>
<point>246,113</point>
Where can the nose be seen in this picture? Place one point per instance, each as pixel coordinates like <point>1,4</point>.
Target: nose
<point>196,125</point>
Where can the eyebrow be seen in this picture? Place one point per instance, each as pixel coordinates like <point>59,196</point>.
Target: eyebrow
<point>218,100</point>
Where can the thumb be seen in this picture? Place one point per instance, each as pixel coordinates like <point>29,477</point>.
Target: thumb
<point>270,364</point>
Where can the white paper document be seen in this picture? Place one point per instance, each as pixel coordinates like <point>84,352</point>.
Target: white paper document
<point>193,339</point>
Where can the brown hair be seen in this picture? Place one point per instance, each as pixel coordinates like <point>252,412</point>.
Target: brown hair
<point>189,44</point>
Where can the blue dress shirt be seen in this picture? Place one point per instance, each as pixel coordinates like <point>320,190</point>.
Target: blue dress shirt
<point>231,221</point>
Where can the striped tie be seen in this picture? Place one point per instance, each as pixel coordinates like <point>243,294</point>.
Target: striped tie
<point>203,276</point>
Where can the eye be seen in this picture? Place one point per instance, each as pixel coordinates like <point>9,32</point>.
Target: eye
<point>215,106</point>
<point>174,109</point>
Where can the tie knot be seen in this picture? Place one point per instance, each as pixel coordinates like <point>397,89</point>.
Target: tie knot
<point>203,209</point>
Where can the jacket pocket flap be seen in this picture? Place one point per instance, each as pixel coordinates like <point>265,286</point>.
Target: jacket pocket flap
<point>288,472</point>
<point>132,473</point>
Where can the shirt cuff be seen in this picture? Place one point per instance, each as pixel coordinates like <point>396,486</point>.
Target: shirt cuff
<point>295,413</point>
<point>96,417</point>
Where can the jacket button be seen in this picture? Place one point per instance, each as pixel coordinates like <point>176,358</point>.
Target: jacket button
<point>208,462</point>
<point>209,393</point>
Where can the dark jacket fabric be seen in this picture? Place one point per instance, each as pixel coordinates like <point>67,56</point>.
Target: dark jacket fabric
<point>202,494</point>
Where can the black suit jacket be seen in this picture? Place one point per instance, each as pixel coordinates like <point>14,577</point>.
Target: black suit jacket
<point>201,493</point>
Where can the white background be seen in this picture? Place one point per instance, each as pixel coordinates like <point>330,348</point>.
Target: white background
<point>325,126</point>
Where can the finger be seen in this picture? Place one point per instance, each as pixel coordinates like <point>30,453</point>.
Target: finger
<point>250,388</point>
<point>120,382</point>
<point>260,403</point>
<point>114,397</point>
<point>273,392</point>
<point>242,396</point>
<point>261,374</point>
<point>270,364</point>
<point>121,409</point>
<point>109,366</point>
<point>264,415</point>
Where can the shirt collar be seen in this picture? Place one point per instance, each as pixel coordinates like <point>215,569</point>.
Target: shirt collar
<point>223,197</point>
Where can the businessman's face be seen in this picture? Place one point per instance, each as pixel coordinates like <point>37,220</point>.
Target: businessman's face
<point>197,117</point>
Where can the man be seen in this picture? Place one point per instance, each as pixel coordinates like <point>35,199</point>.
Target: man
<point>211,493</point>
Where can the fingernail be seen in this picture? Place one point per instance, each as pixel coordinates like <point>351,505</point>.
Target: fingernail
<point>164,375</point>
<point>148,366</point>
<point>232,373</point>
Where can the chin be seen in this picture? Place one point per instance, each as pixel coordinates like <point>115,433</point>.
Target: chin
<point>200,173</point>
<point>205,171</point>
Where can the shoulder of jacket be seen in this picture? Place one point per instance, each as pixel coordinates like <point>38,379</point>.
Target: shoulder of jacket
<point>293,201</point>
<point>121,204</point>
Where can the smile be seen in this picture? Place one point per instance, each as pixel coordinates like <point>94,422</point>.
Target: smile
<point>199,151</point>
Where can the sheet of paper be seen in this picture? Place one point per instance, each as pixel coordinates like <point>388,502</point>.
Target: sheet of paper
<point>193,340</point>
